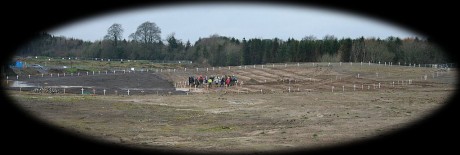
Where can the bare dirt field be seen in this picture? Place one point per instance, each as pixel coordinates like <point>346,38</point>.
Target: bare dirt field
<point>274,107</point>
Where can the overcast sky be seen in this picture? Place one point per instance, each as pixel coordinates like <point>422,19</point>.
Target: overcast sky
<point>190,22</point>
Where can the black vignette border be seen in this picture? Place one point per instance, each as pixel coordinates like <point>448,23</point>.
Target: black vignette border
<point>24,20</point>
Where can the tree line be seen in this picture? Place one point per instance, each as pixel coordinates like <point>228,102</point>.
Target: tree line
<point>146,43</point>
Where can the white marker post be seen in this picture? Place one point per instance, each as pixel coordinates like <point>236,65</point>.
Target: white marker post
<point>128,92</point>
<point>185,69</point>
<point>87,73</point>
<point>64,90</point>
<point>361,63</point>
<point>379,85</point>
<point>17,77</point>
<point>289,89</point>
<point>78,74</point>
<point>273,65</point>
<point>42,74</point>
<point>104,92</point>
<point>262,66</point>
<point>340,63</point>
<point>93,72</point>
<point>298,65</point>
<point>29,76</point>
<point>6,80</point>
<point>64,74</point>
<point>82,90</point>
<point>343,89</point>
<point>332,88</point>
<point>51,74</point>
<point>94,91</point>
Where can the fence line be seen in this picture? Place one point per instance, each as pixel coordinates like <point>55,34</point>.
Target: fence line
<point>233,68</point>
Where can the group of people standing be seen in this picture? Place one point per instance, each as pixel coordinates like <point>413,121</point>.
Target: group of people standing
<point>221,81</point>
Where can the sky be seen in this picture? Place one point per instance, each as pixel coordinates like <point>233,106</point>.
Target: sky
<point>191,22</point>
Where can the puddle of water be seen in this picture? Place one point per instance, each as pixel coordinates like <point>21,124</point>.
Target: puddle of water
<point>24,84</point>
<point>20,84</point>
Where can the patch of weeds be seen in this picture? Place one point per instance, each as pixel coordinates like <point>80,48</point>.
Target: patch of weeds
<point>304,117</point>
<point>315,136</point>
<point>216,129</point>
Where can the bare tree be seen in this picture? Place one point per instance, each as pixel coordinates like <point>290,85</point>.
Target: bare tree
<point>114,33</point>
<point>309,38</point>
<point>147,32</point>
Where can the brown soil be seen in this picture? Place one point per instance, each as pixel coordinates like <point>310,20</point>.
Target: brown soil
<point>295,110</point>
